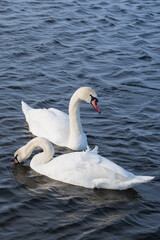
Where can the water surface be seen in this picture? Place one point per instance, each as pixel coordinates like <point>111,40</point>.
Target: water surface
<point>48,49</point>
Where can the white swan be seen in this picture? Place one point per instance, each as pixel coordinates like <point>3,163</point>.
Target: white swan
<point>87,169</point>
<point>57,126</point>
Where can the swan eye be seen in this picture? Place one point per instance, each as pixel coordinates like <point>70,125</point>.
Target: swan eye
<point>16,157</point>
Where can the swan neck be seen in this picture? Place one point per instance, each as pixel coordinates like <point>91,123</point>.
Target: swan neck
<point>40,158</point>
<point>74,115</point>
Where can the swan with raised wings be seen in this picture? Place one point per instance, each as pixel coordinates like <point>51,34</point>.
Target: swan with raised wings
<point>87,169</point>
<point>58,127</point>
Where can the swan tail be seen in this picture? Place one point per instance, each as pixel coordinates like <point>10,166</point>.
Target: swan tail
<point>142,179</point>
<point>106,183</point>
<point>25,107</point>
<point>136,181</point>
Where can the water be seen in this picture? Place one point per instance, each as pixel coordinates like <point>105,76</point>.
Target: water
<point>48,49</point>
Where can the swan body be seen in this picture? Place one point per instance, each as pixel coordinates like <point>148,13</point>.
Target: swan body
<point>87,168</point>
<point>58,127</point>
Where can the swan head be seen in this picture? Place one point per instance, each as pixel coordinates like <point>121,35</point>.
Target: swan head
<point>88,95</point>
<point>25,152</point>
<point>19,155</point>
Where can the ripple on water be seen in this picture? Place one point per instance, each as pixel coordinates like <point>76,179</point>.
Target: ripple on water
<point>48,50</point>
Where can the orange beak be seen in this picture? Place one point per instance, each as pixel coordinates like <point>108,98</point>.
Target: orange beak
<point>94,104</point>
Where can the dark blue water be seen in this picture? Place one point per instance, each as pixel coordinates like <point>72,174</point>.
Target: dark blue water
<point>48,49</point>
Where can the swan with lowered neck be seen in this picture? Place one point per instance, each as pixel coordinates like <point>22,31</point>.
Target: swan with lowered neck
<point>87,169</point>
<point>57,126</point>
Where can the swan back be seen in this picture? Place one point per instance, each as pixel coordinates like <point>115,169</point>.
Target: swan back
<point>90,170</point>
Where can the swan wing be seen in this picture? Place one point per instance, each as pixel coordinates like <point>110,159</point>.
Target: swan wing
<point>108,175</point>
<point>90,170</point>
<point>50,123</point>
<point>59,114</point>
<point>93,158</point>
<point>86,169</point>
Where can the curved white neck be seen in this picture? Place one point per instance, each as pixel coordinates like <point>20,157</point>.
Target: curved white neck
<point>40,158</point>
<point>74,116</point>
